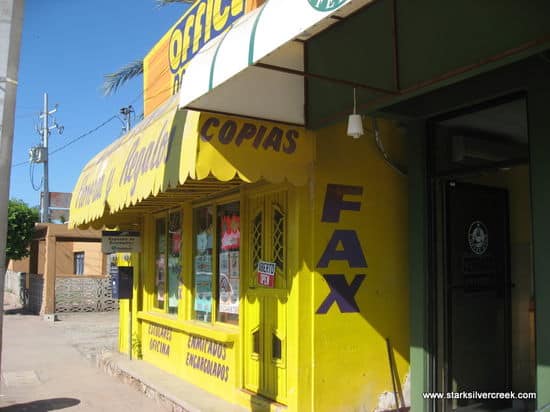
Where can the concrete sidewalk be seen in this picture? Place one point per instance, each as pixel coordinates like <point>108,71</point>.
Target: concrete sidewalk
<point>44,367</point>
<point>168,390</point>
<point>54,365</point>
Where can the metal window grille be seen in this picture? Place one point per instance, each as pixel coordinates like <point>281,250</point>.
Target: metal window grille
<point>257,240</point>
<point>279,239</point>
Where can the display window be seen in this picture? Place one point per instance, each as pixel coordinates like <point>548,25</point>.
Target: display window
<point>216,272</point>
<point>202,271</point>
<point>229,271</point>
<point>168,262</point>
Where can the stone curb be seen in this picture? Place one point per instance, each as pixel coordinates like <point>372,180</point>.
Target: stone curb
<point>107,362</point>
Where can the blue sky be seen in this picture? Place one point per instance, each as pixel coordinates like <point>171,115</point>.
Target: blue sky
<point>66,48</point>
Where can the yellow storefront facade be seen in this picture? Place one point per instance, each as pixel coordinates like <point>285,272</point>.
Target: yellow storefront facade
<point>285,265</point>
<point>265,271</point>
<point>200,309</point>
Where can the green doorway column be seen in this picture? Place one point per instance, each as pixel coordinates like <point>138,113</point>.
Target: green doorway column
<point>418,262</point>
<point>539,142</point>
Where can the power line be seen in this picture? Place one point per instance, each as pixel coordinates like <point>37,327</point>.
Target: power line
<point>72,141</point>
<point>154,82</point>
<point>76,139</point>
<point>20,164</point>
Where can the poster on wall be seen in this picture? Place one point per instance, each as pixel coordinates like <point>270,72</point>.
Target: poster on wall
<point>174,270</point>
<point>229,282</point>
<point>174,260</point>
<point>224,263</point>
<point>266,274</point>
<point>203,283</point>
<point>231,236</point>
<point>160,278</point>
<point>234,264</point>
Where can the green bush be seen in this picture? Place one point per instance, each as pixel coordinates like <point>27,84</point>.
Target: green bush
<point>21,220</point>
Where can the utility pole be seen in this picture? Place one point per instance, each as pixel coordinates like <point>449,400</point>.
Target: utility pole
<point>11,19</point>
<point>39,154</point>
<point>45,203</point>
<point>126,112</point>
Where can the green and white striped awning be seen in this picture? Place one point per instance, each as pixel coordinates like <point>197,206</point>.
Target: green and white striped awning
<point>256,68</point>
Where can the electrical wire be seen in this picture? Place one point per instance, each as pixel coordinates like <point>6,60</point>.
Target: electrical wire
<point>58,149</point>
<point>20,164</point>
<point>382,150</point>
<point>76,139</point>
<point>70,142</point>
<point>31,176</point>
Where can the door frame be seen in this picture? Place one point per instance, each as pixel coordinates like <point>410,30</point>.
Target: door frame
<point>438,328</point>
<point>281,293</point>
<point>447,303</point>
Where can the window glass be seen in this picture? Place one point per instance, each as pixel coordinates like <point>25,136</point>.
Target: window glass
<point>202,271</point>
<point>79,263</point>
<point>174,260</point>
<point>160,262</point>
<point>229,271</point>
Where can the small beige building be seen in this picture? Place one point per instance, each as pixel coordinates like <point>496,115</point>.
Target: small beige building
<point>62,262</point>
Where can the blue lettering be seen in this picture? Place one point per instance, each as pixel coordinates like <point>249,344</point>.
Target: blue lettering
<point>341,293</point>
<point>351,250</point>
<point>335,203</point>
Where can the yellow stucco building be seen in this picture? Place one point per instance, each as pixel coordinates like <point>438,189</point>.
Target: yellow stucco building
<point>285,265</point>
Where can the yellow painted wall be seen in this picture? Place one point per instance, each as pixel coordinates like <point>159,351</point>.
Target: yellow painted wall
<point>335,361</point>
<point>350,356</point>
<point>127,259</point>
<point>198,359</point>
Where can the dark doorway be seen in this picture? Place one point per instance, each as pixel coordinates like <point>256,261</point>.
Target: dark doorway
<point>481,296</point>
<point>478,286</point>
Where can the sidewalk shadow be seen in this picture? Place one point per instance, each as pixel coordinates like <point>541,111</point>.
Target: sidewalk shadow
<point>18,311</point>
<point>43,405</point>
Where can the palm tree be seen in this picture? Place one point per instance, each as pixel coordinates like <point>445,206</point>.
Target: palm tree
<point>112,81</point>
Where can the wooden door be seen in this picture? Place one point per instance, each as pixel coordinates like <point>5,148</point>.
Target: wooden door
<point>265,307</point>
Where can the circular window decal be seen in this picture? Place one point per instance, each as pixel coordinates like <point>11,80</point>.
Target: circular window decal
<point>326,5</point>
<point>478,237</point>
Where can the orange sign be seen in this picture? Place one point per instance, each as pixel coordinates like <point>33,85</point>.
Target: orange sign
<point>165,64</point>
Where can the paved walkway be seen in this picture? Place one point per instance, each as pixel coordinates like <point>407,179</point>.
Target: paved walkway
<point>50,366</point>
<point>73,364</point>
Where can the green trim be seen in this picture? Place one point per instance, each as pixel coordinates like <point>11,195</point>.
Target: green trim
<point>539,146</point>
<point>253,35</point>
<point>418,263</point>
<point>211,80</point>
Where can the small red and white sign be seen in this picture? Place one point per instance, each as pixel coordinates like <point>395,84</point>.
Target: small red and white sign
<point>266,274</point>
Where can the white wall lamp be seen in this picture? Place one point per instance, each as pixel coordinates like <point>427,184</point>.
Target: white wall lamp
<point>355,130</point>
<point>355,122</point>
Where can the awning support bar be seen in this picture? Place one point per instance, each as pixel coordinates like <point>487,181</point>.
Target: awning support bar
<point>327,78</point>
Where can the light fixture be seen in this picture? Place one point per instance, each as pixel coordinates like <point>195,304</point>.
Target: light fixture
<point>355,122</point>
